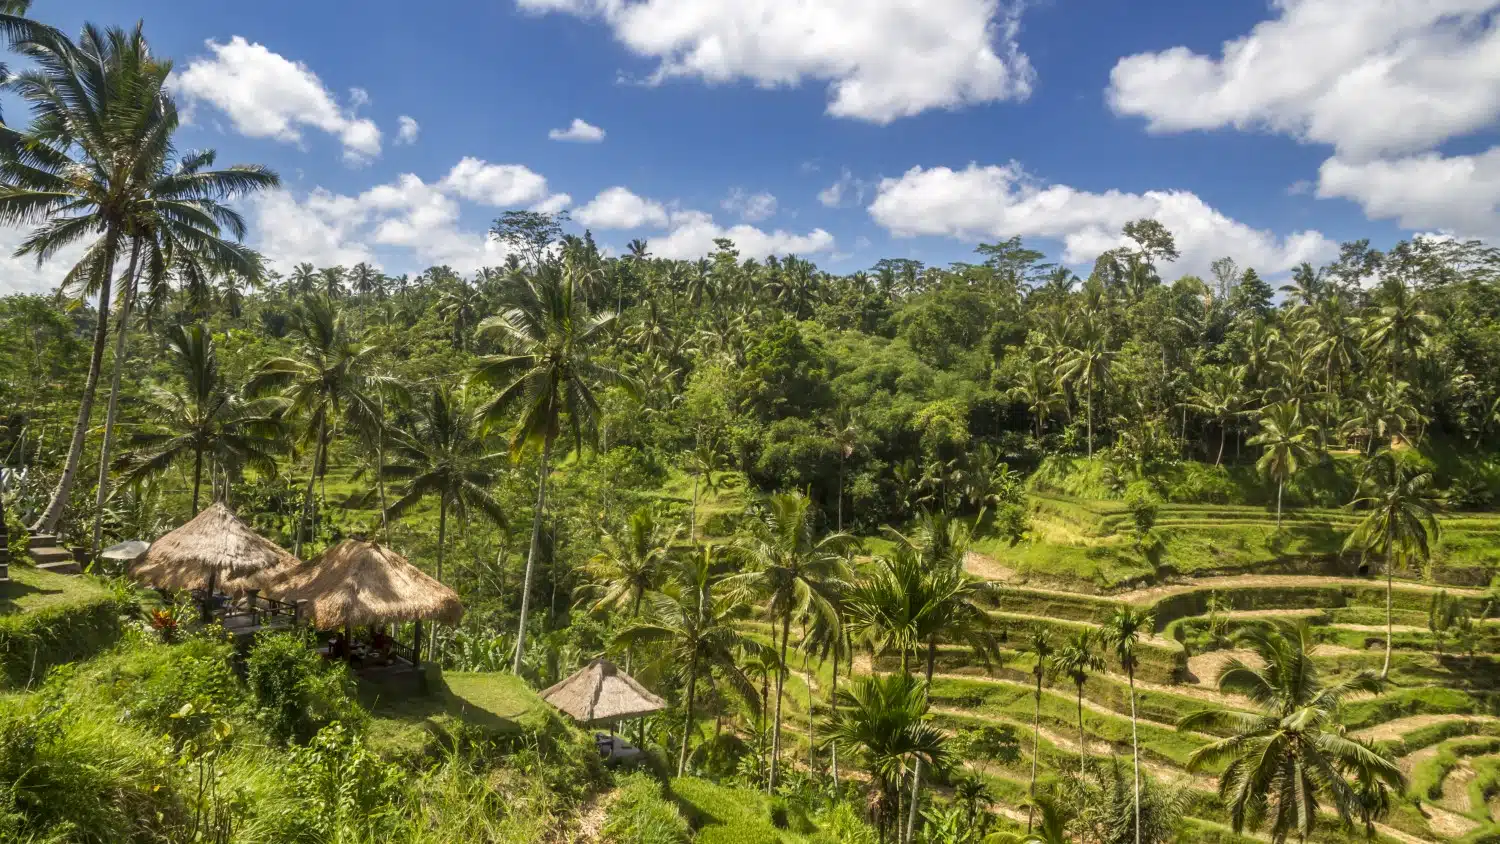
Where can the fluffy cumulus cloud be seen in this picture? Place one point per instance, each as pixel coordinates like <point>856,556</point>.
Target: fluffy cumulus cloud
<point>266,95</point>
<point>1458,194</point>
<point>23,274</point>
<point>750,207</point>
<point>409,129</point>
<point>618,208</point>
<point>579,131</point>
<point>1001,201</point>
<point>498,185</point>
<point>692,235</point>
<point>1369,78</point>
<point>882,59</point>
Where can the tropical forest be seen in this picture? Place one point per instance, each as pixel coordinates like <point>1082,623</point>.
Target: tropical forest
<point>594,545</point>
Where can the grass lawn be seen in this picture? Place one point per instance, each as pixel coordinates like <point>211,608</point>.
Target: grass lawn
<point>406,717</point>
<point>30,590</point>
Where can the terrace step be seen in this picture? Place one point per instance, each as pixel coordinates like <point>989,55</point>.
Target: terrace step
<point>4,572</point>
<point>70,567</point>
<point>49,556</point>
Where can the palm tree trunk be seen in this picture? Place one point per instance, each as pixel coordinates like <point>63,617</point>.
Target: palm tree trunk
<point>1036,744</point>
<point>536,541</point>
<point>197,476</point>
<point>840,507</point>
<point>833,696</point>
<point>1135,747</point>
<point>1089,401</point>
<point>916,773</point>
<point>122,334</point>
<point>312,480</point>
<point>385,521</point>
<point>1279,486</point>
<point>47,522</point>
<point>693,517</point>
<point>1223,432</point>
<point>786,628</point>
<point>687,727</point>
<point>1083,748</point>
<point>1385,670</point>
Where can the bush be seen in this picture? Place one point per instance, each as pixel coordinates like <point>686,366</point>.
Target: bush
<point>297,693</point>
<point>640,814</point>
<point>151,683</point>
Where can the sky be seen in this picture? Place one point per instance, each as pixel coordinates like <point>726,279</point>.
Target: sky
<point>842,131</point>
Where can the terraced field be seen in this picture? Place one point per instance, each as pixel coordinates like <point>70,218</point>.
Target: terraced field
<point>1221,569</point>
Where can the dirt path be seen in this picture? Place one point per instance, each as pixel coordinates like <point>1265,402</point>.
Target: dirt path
<point>1380,628</point>
<point>1096,708</point>
<point>1204,668</point>
<point>1393,730</point>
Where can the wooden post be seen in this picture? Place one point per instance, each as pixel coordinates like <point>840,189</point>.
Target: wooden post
<point>416,650</point>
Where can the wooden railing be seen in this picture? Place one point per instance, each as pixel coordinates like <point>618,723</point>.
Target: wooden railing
<point>262,611</point>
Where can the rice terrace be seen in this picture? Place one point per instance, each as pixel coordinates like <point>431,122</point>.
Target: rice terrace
<point>956,422</point>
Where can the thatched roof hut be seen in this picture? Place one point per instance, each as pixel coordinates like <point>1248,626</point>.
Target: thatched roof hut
<point>600,693</point>
<point>358,583</point>
<point>214,548</point>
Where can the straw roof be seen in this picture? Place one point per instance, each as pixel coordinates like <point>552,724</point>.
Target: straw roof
<point>214,545</point>
<point>359,583</point>
<point>600,693</point>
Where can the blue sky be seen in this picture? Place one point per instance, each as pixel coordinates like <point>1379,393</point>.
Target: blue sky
<point>1268,132</point>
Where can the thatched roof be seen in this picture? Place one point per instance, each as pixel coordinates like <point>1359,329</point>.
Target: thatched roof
<point>600,693</point>
<point>126,551</point>
<point>359,583</point>
<point>214,545</point>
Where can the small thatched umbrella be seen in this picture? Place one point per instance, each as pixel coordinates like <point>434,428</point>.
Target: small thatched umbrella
<point>213,549</point>
<point>358,583</point>
<point>600,693</point>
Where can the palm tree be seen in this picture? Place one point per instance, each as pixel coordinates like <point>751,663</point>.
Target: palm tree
<point>883,720</point>
<point>706,458</point>
<point>204,418</point>
<point>1400,526</point>
<point>794,571</point>
<point>1289,444</point>
<point>447,455</point>
<point>1041,645</point>
<point>1052,830</point>
<point>1077,659</point>
<point>1038,390</point>
<point>1220,399</point>
<point>843,428</point>
<point>1121,632</point>
<point>630,565</point>
<point>325,383</point>
<point>1284,758</point>
<point>700,630</point>
<point>1087,364</point>
<point>1399,325</point>
<point>365,279</point>
<point>304,279</point>
<point>549,369</point>
<point>98,145</point>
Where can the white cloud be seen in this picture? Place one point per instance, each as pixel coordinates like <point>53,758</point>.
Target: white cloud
<point>1368,78</point>
<point>618,208</point>
<point>410,129</point>
<point>752,207</point>
<point>322,229</point>
<point>499,185</point>
<point>846,191</point>
<point>553,204</point>
<point>693,233</point>
<point>579,131</point>
<point>882,59</point>
<point>1459,194</point>
<point>23,275</point>
<point>266,95</point>
<point>1002,201</point>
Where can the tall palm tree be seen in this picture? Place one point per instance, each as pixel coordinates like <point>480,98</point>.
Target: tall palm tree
<point>1220,399</point>
<point>447,456</point>
<point>843,428</point>
<point>884,722</point>
<point>794,572</point>
<point>1077,659</point>
<point>1087,363</point>
<point>325,383</point>
<point>1399,325</point>
<point>1289,443</point>
<point>1041,646</point>
<point>706,458</point>
<point>1121,633</point>
<point>1401,525</point>
<point>630,565</point>
<point>304,279</point>
<point>99,140</point>
<point>1282,759</point>
<point>548,369</point>
<point>203,419</point>
<point>701,632</point>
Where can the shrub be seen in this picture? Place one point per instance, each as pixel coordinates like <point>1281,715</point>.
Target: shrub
<point>640,814</point>
<point>296,692</point>
<point>151,683</point>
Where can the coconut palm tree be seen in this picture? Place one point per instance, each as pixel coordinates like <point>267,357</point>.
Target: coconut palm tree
<point>630,565</point>
<point>325,383</point>
<point>84,170</point>
<point>706,458</point>
<point>1087,363</point>
<point>446,455</point>
<point>1220,399</point>
<point>1401,525</point>
<point>1077,659</point>
<point>202,419</point>
<point>1121,633</point>
<point>1284,758</point>
<point>793,574</point>
<point>700,629</point>
<point>549,371</point>
<point>1289,443</point>
<point>843,428</point>
<point>1041,646</point>
<point>884,722</point>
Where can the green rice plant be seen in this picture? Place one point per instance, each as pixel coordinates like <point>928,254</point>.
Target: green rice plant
<point>641,813</point>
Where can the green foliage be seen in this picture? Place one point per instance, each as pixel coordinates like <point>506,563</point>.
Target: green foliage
<point>641,813</point>
<point>45,635</point>
<point>297,692</point>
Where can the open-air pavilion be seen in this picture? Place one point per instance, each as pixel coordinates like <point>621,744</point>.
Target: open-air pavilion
<point>600,694</point>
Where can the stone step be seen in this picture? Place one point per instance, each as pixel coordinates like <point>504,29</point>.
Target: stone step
<point>4,572</point>
<point>42,540</point>
<point>51,555</point>
<point>69,567</point>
